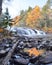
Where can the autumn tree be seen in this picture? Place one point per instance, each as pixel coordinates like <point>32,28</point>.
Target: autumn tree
<point>15,21</point>
<point>32,16</point>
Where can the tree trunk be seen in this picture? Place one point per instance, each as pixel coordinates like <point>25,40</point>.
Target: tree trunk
<point>1,6</point>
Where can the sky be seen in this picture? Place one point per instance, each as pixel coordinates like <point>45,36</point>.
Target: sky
<point>15,6</point>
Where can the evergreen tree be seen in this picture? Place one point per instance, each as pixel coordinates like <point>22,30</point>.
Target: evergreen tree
<point>29,9</point>
<point>49,3</point>
<point>5,19</point>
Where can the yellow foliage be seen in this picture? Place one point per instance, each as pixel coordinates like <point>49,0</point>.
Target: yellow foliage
<point>33,16</point>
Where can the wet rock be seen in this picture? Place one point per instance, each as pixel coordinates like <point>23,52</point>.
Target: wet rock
<point>34,59</point>
<point>47,58</point>
<point>21,60</point>
<point>2,53</point>
<point>30,64</point>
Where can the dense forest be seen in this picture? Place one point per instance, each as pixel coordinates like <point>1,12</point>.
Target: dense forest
<point>36,17</point>
<point>40,18</point>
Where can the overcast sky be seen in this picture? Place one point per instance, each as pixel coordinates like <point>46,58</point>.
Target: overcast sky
<point>16,5</point>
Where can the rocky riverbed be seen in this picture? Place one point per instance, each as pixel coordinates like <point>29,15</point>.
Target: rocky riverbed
<point>27,52</point>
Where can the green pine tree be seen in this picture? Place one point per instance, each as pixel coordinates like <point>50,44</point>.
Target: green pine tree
<point>5,19</point>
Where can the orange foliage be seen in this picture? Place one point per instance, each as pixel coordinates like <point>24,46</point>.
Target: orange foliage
<point>15,21</point>
<point>33,16</point>
<point>35,52</point>
<point>1,30</point>
<point>49,30</point>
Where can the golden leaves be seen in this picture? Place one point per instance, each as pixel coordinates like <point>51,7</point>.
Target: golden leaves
<point>33,16</point>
